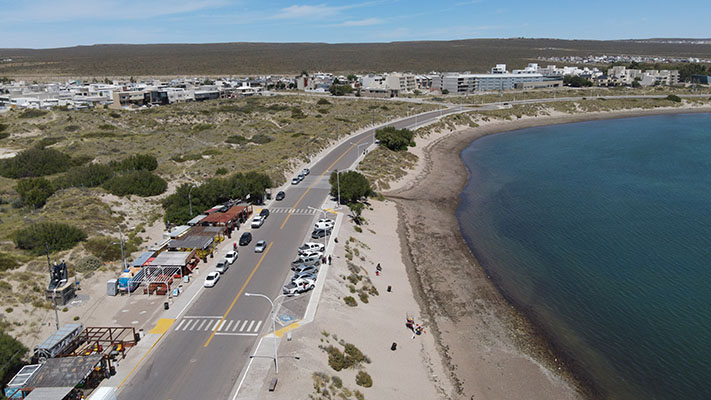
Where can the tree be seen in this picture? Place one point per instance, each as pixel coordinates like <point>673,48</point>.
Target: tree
<point>354,186</point>
<point>395,139</point>
<point>356,211</point>
<point>33,162</point>
<point>12,352</point>
<point>352,77</point>
<point>636,84</point>
<point>34,192</point>
<point>340,90</point>
<point>445,91</point>
<point>576,81</point>
<point>54,235</point>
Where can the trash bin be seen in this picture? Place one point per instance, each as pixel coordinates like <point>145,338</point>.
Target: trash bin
<point>166,305</point>
<point>186,278</point>
<point>393,347</point>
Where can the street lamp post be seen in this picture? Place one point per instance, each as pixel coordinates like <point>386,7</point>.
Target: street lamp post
<point>273,312</point>
<point>190,200</point>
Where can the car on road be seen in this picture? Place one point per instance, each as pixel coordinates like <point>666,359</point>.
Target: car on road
<point>295,180</point>
<point>320,233</point>
<point>257,221</point>
<point>311,246</point>
<point>260,246</point>
<point>324,224</point>
<point>222,266</point>
<point>245,239</point>
<point>264,213</point>
<point>231,257</point>
<point>211,279</point>
<point>305,171</point>
<point>302,286</point>
<point>280,196</point>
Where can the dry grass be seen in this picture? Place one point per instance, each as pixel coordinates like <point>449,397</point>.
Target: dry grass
<point>383,165</point>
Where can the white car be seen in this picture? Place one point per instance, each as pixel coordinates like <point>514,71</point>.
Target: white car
<point>311,246</point>
<point>309,254</point>
<point>295,181</point>
<point>300,285</point>
<point>231,257</point>
<point>260,246</point>
<point>324,224</point>
<point>222,266</point>
<point>257,221</point>
<point>211,279</point>
<point>305,171</point>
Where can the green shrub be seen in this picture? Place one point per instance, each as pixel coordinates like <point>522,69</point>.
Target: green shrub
<point>9,310</point>
<point>54,235</point>
<point>297,113</point>
<point>76,318</point>
<point>114,114</point>
<point>48,141</point>
<point>358,395</point>
<point>33,113</point>
<point>12,353</point>
<point>202,127</point>
<point>261,138</point>
<point>221,171</point>
<point>394,139</point>
<point>336,359</point>
<point>34,192</point>
<point>3,127</point>
<point>135,163</point>
<point>674,98</point>
<point>236,139</point>
<point>107,127</point>
<point>363,297</point>
<point>3,135</point>
<point>322,102</point>
<point>364,379</point>
<point>91,175</point>
<point>350,301</point>
<point>71,128</point>
<point>88,264</point>
<point>8,262</point>
<point>337,382</point>
<point>36,161</point>
<point>179,158</point>
<point>103,248</point>
<point>142,183</point>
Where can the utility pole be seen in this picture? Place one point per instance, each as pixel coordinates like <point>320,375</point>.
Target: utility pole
<point>190,200</point>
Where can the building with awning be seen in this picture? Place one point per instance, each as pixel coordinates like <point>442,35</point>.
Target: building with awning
<point>168,265</point>
<point>230,219</point>
<point>56,377</point>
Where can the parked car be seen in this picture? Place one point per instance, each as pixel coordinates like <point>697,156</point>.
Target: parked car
<point>245,239</point>
<point>222,266</point>
<point>296,288</point>
<point>211,279</point>
<point>264,213</point>
<point>311,246</point>
<point>310,260</point>
<point>309,254</point>
<point>307,274</point>
<point>305,171</point>
<point>280,196</point>
<point>260,246</point>
<point>301,176</point>
<point>324,224</point>
<point>295,180</point>
<point>320,233</point>
<point>231,257</point>
<point>257,221</point>
<point>305,268</point>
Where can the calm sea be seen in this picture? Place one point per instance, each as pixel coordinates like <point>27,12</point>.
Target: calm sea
<point>601,232</point>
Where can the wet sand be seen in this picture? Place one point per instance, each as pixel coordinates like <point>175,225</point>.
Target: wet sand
<point>491,349</point>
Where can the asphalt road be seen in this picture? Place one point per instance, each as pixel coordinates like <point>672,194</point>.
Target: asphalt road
<point>204,352</point>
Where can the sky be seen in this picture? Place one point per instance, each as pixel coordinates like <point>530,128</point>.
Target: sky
<point>64,23</point>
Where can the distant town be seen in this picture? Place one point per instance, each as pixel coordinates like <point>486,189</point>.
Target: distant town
<point>127,94</point>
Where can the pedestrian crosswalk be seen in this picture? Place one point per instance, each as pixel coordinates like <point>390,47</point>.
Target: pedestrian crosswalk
<point>230,327</point>
<point>297,211</point>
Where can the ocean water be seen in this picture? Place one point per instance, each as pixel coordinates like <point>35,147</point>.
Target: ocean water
<point>601,232</point>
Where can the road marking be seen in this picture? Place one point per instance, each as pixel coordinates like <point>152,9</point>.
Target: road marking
<point>320,177</point>
<point>194,325</point>
<point>203,323</point>
<point>244,286</point>
<point>259,323</point>
<point>282,331</point>
<point>219,325</point>
<point>162,326</point>
<point>250,326</point>
<point>246,371</point>
<point>177,328</point>
<point>235,334</point>
<point>190,321</point>
<point>200,316</point>
<point>236,325</point>
<point>243,325</point>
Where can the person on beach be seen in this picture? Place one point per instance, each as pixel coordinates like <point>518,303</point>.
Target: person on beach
<point>329,260</point>
<point>378,269</point>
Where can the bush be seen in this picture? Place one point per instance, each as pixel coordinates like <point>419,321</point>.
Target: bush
<point>71,128</point>
<point>3,127</point>
<point>261,138</point>
<point>88,264</point>
<point>363,297</point>
<point>236,139</point>
<point>54,235</point>
<point>135,162</point>
<point>350,301</point>
<point>8,262</point>
<point>674,98</point>
<point>91,175</point>
<point>354,356</point>
<point>37,161</point>
<point>296,113</point>
<point>337,382</point>
<point>336,359</point>
<point>11,354</point>
<point>33,113</point>
<point>114,114</point>
<point>103,248</point>
<point>34,192</point>
<point>221,171</point>
<point>364,379</point>
<point>323,102</point>
<point>3,135</point>
<point>340,90</point>
<point>142,183</point>
<point>395,139</point>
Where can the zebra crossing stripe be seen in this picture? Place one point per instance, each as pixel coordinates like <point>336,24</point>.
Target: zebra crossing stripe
<point>220,325</point>
<point>236,325</point>
<point>259,323</point>
<point>250,326</point>
<point>177,328</point>
<point>228,325</point>
<point>201,324</point>
<point>195,324</point>
<point>243,325</point>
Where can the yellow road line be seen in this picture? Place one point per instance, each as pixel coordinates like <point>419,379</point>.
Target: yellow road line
<point>214,330</point>
<point>319,178</point>
<point>282,331</point>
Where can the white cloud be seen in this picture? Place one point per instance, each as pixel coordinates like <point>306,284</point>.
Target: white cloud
<point>362,22</point>
<point>308,12</point>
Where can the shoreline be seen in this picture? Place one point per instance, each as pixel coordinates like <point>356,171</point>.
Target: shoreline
<point>464,304</point>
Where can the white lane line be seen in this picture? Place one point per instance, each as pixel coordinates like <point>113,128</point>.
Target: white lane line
<point>190,322</point>
<point>195,324</point>
<point>201,324</point>
<point>227,328</point>
<point>246,371</point>
<point>236,325</point>
<point>236,334</point>
<point>203,316</point>
<point>220,325</point>
<point>210,326</point>
<point>177,328</point>
<point>256,328</point>
<point>250,326</point>
<point>243,325</point>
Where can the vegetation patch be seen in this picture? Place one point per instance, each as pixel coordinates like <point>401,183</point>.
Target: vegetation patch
<point>382,166</point>
<point>8,262</point>
<point>34,192</point>
<point>395,139</point>
<point>363,379</point>
<point>236,139</point>
<point>261,138</point>
<point>33,113</point>
<point>142,183</point>
<point>350,301</point>
<point>87,265</point>
<point>33,162</point>
<point>48,235</point>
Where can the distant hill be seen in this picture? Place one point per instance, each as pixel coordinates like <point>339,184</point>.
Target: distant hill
<point>213,59</point>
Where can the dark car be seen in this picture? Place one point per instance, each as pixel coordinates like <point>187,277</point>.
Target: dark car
<point>245,239</point>
<point>319,233</point>
<point>264,213</point>
<point>280,196</point>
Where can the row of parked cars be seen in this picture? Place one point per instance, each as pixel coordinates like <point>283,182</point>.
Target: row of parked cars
<point>305,268</point>
<point>297,179</point>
